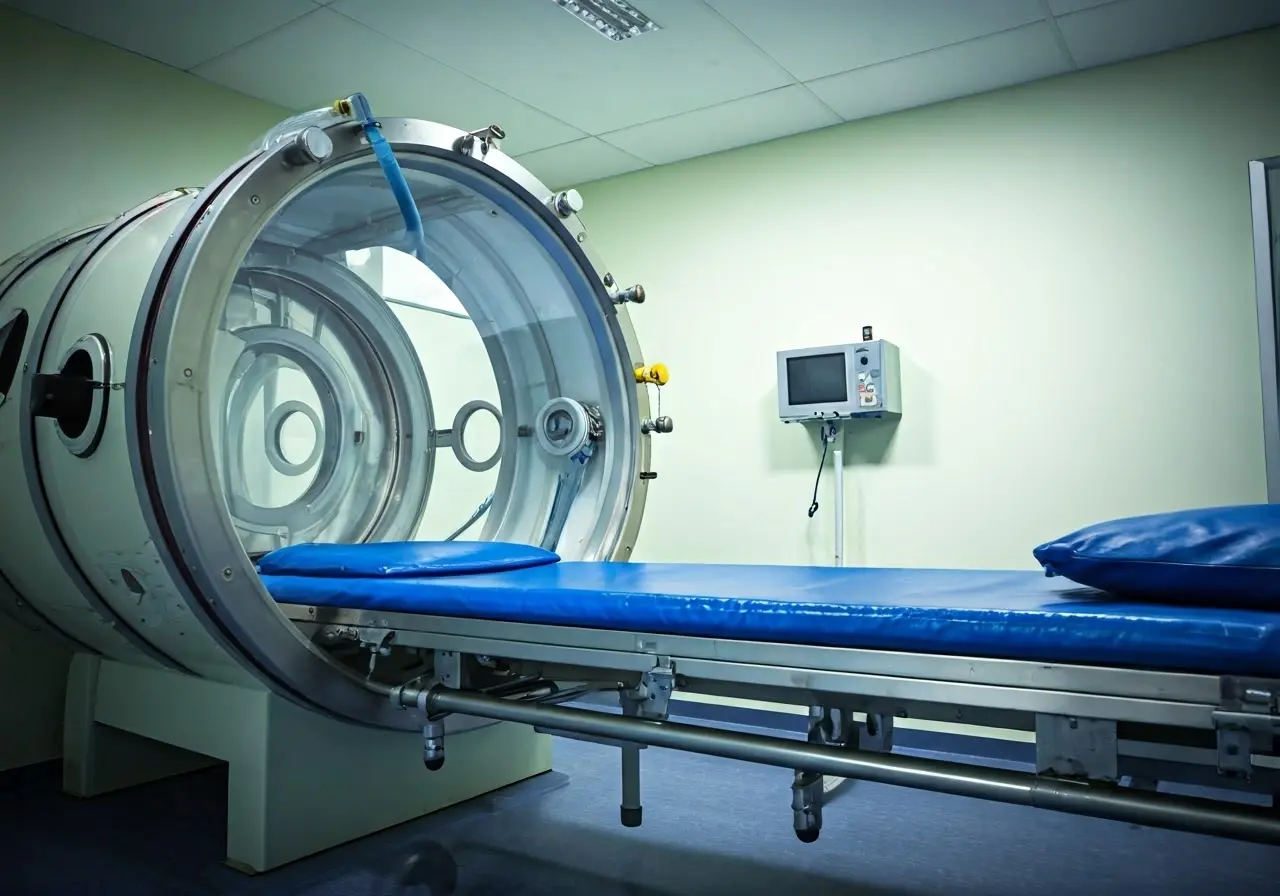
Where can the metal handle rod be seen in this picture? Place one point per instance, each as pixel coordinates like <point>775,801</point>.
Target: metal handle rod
<point>1154,810</point>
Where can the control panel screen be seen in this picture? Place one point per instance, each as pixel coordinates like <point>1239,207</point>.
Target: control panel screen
<point>817,379</point>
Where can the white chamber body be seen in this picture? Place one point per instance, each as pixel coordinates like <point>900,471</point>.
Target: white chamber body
<point>267,361</point>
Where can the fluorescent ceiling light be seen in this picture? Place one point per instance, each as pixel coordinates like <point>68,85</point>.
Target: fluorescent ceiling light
<point>615,19</point>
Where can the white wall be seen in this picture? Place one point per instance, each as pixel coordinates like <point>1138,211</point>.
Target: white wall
<point>1066,267</point>
<point>89,131</point>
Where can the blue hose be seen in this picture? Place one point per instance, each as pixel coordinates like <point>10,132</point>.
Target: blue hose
<point>395,177</point>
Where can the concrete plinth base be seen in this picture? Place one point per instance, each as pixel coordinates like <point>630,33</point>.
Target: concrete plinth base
<point>299,782</point>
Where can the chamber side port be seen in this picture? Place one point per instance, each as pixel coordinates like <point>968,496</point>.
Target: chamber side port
<point>72,403</point>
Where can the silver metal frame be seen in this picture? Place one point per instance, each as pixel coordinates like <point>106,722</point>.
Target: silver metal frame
<point>844,760</point>
<point>1265,254</point>
<point>1156,698</point>
<point>1093,725</point>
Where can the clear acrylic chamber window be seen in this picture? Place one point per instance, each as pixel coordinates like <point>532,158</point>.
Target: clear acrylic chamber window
<point>344,359</point>
<point>457,368</point>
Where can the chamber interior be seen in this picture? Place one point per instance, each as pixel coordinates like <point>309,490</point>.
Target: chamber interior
<point>373,388</point>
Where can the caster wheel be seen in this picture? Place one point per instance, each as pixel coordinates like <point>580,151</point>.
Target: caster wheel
<point>810,836</point>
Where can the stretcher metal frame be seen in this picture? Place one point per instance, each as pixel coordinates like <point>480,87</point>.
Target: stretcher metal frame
<point>1104,737</point>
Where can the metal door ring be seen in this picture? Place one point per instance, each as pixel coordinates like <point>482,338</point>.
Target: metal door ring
<point>459,442</point>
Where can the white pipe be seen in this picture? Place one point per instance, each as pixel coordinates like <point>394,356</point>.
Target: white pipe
<point>839,503</point>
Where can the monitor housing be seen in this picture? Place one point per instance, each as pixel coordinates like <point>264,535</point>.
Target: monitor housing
<point>839,382</point>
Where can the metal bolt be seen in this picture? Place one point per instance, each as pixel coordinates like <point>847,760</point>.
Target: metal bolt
<point>186,372</point>
<point>227,573</point>
<point>582,237</point>
<point>254,200</point>
<point>568,203</point>
<point>311,145</point>
<point>634,294</point>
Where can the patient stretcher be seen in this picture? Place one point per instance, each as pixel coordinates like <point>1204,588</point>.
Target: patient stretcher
<point>1121,697</point>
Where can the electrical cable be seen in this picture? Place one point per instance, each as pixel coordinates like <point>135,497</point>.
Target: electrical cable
<point>828,436</point>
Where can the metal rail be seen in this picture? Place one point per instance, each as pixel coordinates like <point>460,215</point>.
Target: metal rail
<point>1200,816</point>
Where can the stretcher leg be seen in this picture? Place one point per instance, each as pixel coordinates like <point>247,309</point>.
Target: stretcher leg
<point>807,787</point>
<point>806,805</point>
<point>631,810</point>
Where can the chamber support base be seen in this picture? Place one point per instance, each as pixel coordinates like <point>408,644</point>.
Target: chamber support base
<point>299,783</point>
<point>98,758</point>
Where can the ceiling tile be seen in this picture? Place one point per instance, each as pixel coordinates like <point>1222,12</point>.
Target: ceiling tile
<point>1130,28</point>
<point>538,52</point>
<point>579,162</point>
<point>310,62</point>
<point>1065,7</point>
<point>178,34</point>
<point>988,63</point>
<point>765,116</point>
<point>815,38</point>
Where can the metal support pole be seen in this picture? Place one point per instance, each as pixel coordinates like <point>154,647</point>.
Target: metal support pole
<point>1155,810</point>
<point>631,810</point>
<point>838,461</point>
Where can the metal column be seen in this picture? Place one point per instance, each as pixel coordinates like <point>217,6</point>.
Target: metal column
<point>1264,193</point>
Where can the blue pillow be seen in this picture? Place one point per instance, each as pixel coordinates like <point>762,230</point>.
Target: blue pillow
<point>1223,556</point>
<point>401,559</point>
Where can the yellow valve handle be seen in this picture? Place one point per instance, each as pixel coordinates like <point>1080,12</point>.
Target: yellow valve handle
<point>658,374</point>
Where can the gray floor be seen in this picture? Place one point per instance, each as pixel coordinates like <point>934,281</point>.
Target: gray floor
<point>711,827</point>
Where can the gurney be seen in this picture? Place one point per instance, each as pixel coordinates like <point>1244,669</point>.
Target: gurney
<point>1124,698</point>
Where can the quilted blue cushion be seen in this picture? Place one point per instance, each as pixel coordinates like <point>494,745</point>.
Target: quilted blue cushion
<point>1223,556</point>
<point>401,559</point>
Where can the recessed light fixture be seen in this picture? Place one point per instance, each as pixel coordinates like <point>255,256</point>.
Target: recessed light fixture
<point>615,19</point>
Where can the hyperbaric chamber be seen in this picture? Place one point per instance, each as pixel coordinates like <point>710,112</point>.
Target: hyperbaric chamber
<point>307,350</point>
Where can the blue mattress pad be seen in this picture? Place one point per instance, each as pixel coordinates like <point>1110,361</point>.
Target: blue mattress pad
<point>1010,615</point>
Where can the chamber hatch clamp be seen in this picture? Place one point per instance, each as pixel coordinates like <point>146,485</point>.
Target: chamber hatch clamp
<point>487,137</point>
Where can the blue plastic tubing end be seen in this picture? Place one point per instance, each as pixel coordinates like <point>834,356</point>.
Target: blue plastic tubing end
<point>395,177</point>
